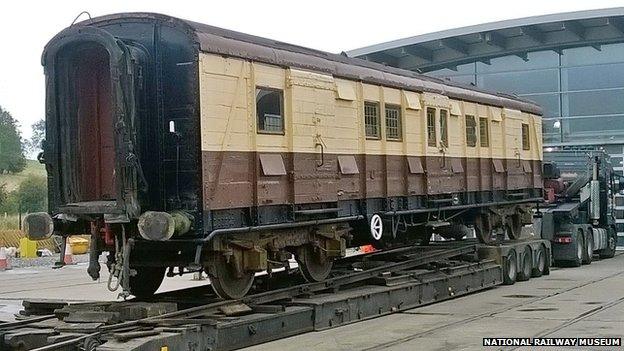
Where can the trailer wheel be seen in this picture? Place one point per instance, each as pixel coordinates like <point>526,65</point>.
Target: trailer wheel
<point>510,268</point>
<point>609,252</point>
<point>549,260</point>
<point>579,250</point>
<point>589,248</point>
<point>524,272</point>
<point>540,262</point>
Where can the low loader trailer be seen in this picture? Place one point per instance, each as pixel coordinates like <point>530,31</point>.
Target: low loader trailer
<point>361,287</point>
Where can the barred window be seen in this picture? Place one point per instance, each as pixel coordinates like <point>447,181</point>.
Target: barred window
<point>526,141</point>
<point>371,120</point>
<point>444,127</point>
<point>270,110</point>
<point>393,122</point>
<point>484,132</point>
<point>471,131</point>
<point>431,129</point>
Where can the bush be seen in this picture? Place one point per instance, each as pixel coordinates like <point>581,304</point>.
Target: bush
<point>32,194</point>
<point>10,204</point>
<point>8,201</point>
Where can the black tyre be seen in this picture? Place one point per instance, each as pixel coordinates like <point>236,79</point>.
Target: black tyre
<point>549,260</point>
<point>146,281</point>
<point>609,252</point>
<point>579,250</point>
<point>510,268</point>
<point>588,248</point>
<point>540,262</point>
<point>526,267</point>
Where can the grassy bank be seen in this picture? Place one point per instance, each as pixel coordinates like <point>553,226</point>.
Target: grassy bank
<point>12,181</point>
<point>9,222</point>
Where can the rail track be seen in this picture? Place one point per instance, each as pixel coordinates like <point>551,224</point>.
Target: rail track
<point>280,305</point>
<point>528,301</point>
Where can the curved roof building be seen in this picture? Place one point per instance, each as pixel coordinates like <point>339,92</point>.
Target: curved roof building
<point>572,64</point>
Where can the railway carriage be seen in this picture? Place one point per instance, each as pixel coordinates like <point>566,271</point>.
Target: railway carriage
<point>183,147</point>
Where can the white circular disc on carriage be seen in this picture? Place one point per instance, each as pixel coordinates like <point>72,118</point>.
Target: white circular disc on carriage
<point>376,226</point>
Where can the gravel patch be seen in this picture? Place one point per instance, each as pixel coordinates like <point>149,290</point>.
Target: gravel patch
<point>43,261</point>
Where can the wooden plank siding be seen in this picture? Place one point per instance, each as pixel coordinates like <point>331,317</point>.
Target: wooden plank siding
<point>323,110</point>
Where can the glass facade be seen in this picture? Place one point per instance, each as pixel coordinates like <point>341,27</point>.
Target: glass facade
<point>580,89</point>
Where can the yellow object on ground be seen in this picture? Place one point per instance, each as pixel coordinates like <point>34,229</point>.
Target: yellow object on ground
<point>11,238</point>
<point>78,245</point>
<point>28,248</point>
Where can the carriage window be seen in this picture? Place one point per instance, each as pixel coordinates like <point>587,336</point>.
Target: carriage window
<point>270,110</point>
<point>484,134</point>
<point>393,122</point>
<point>444,128</point>
<point>526,142</point>
<point>471,131</point>
<point>431,131</point>
<point>371,120</point>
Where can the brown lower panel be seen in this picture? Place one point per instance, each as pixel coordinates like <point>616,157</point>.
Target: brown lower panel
<point>249,179</point>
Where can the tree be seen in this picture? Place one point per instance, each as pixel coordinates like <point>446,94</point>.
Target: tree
<point>12,158</point>
<point>33,146</point>
<point>32,194</point>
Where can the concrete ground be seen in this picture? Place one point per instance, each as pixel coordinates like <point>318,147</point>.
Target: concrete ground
<point>67,283</point>
<point>571,302</point>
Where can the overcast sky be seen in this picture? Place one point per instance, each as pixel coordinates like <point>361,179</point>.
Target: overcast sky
<point>330,25</point>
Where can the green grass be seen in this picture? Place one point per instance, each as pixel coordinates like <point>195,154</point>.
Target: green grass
<point>12,181</point>
<point>9,222</point>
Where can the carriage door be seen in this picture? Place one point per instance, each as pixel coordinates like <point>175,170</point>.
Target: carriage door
<point>512,126</point>
<point>312,135</point>
<point>91,115</point>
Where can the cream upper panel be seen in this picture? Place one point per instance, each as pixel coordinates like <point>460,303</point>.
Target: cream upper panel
<point>319,108</point>
<point>225,90</point>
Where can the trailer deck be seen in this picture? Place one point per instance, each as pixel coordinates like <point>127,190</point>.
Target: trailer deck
<point>383,283</point>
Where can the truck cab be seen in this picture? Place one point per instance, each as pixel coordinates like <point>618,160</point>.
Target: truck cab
<point>577,215</point>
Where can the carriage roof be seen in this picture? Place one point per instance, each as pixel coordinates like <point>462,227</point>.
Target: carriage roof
<point>225,42</point>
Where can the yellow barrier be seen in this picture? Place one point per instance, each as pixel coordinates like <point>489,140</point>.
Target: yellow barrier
<point>11,238</point>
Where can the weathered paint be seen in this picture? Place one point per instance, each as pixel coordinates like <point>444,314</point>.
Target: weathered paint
<point>322,109</point>
<point>235,179</point>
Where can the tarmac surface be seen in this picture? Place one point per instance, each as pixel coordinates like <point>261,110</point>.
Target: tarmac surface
<point>571,302</point>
